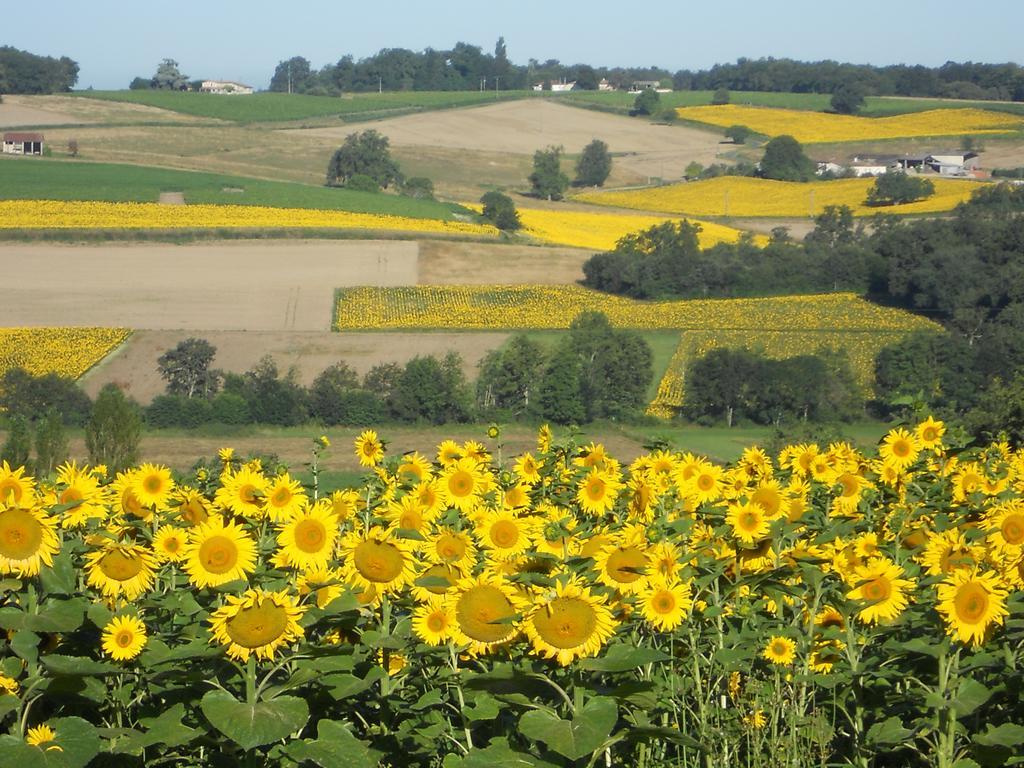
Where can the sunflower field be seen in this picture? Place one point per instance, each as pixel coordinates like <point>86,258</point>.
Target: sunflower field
<point>821,127</point>
<point>65,351</point>
<point>558,608</point>
<point>752,197</point>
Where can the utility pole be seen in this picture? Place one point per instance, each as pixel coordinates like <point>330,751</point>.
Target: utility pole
<point>289,76</point>
<point>496,79</point>
<point>380,84</point>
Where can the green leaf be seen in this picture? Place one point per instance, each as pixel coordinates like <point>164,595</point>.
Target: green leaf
<point>166,729</point>
<point>1005,735</point>
<point>576,738</point>
<point>889,731</point>
<point>77,666</point>
<point>252,725</point>
<point>497,754</point>
<point>484,708</point>
<point>335,747</point>
<point>77,740</point>
<point>660,734</point>
<point>969,696</point>
<point>60,578</point>
<point>920,645</point>
<point>622,658</point>
<point>55,616</point>
<point>344,685</point>
<point>26,645</point>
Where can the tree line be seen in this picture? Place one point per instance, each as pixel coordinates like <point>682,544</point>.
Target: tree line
<point>24,72</point>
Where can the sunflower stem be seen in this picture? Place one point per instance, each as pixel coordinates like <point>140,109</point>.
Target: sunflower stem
<point>250,680</point>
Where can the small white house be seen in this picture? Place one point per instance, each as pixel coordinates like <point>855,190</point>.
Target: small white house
<point>604,85</point>
<point>226,87</point>
<point>869,169</point>
<point>16,143</point>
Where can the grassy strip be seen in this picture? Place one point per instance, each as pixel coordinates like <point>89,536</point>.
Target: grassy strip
<point>182,236</point>
<point>42,179</point>
<point>275,107</point>
<point>875,106</point>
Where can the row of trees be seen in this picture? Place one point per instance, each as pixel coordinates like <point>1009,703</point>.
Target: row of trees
<point>24,72</point>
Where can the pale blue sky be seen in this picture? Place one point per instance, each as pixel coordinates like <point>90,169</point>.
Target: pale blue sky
<point>113,40</point>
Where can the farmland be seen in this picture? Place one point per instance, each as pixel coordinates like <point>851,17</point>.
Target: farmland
<point>753,197</point>
<point>65,351</point>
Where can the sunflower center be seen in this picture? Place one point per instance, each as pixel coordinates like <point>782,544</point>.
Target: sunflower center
<point>626,565</point>
<point>436,622</point>
<point>505,533</point>
<point>172,544</point>
<point>218,554</point>
<point>779,648</point>
<point>369,448</point>
<point>439,572</point>
<point>130,502</point>
<point>411,519</point>
<point>247,493</point>
<point>153,484</point>
<point>930,434</point>
<point>193,513</point>
<point>257,625</point>
<point>121,566</point>
<point>1013,529</point>
<point>11,489</point>
<point>850,485</point>
<point>901,448</point>
<point>749,521</point>
<point>378,561</point>
<point>124,639</point>
<point>971,603</point>
<point>482,612</point>
<point>71,494</point>
<point>450,548</point>
<point>705,482</point>
<point>281,497</point>
<point>768,499</point>
<point>663,602</point>
<point>595,489</point>
<point>460,484</point>
<point>20,534</point>
<point>566,622</point>
<point>310,536</point>
<point>877,589</point>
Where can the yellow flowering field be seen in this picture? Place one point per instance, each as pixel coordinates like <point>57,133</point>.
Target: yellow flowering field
<point>820,127</point>
<point>601,231</point>
<point>561,608</point>
<point>52,214</point>
<point>861,345</point>
<point>65,351</point>
<point>505,307</point>
<point>751,197</point>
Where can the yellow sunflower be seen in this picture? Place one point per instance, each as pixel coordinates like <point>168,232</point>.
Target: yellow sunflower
<point>433,622</point>
<point>8,686</point>
<point>1005,524</point>
<point>528,469</point>
<point>706,484</point>
<point>28,540</point>
<point>462,484</point>
<point>487,612</point>
<point>748,522</point>
<point>504,535</point>
<point>880,584</point>
<point>376,559</point>
<point>83,491</point>
<point>125,501</point>
<point>597,492</point>
<point>344,504</point>
<point>121,570</point>
<point>40,736</point>
<point>257,623</point>
<point>825,655</point>
<point>325,584</point>
<point>369,449</point>
<point>283,498</point>
<point>218,553</point>
<point>446,546</point>
<point>780,650</point>
<point>169,544</point>
<point>569,623</point>
<point>949,551</point>
<point>152,486</point>
<point>769,497</point>
<point>624,566</point>
<point>242,492</point>
<point>124,637</point>
<point>191,506</point>
<point>665,603</point>
<point>929,433</point>
<point>16,488</point>
<point>435,581</point>
<point>448,452</point>
<point>308,538</point>
<point>900,448</point>
<point>414,468</point>
<point>410,515</point>
<point>972,603</point>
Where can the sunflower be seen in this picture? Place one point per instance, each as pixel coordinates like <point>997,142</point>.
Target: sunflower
<point>125,501</point>
<point>448,452</point>
<point>768,496</point>
<point>544,438</point>
<point>369,449</point>
<point>169,544</point>
<point>486,613</point>
<point>433,622</point>
<point>623,566</point>
<point>82,490</point>
<point>462,484</point>
<point>971,604</point>
<point>414,468</point>
<point>434,582</point>
<point>410,515</point>
<point>597,492</point>
<point>16,488</point>
<point>825,655</point>
<point>949,551</point>
<point>309,536</point>
<point>446,546</point>
<point>1005,524</point>
<point>880,584</point>
<point>375,559</point>
<point>929,433</point>
<point>665,603</point>
<point>283,498</point>
<point>828,618</point>
<point>219,553</point>
<point>325,584</point>
<point>344,504</point>
<point>780,650</point>
<point>665,559</point>
<point>505,535</point>
<point>516,496</point>
<point>706,483</point>
<point>121,570</point>
<point>748,522</point>
<point>242,492</point>
<point>569,623</point>
<point>124,637</point>
<point>528,469</point>
<point>477,451</point>
<point>851,489</point>
<point>8,686</point>
<point>152,486</point>
<point>555,532</point>
<point>28,539</point>
<point>257,622</point>
<point>900,448</point>
<point>191,506</point>
<point>40,735</point>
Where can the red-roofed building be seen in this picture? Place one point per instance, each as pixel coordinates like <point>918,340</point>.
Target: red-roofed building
<point>23,143</point>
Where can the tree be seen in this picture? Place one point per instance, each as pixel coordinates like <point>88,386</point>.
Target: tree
<point>559,396</point>
<point>431,390</point>
<point>169,77</point>
<point>547,180</point>
<point>366,153</point>
<point>17,448</point>
<point>51,443</point>
<point>720,96</point>
<point>418,187</point>
<point>586,78</point>
<point>500,211</point>
<point>509,377</point>
<point>328,393</point>
<point>615,366</point>
<point>292,76</point>
<point>594,165</point>
<point>848,99</point>
<point>647,102</point>
<point>897,188</point>
<point>272,399</point>
<point>738,134</point>
<point>114,429</point>
<point>784,160</point>
<point>186,369</point>
<point>24,72</point>
<point>22,394</point>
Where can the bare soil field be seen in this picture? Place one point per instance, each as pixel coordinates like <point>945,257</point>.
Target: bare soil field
<point>244,285</point>
<point>134,366</point>
<point>445,262</point>
<point>522,127</point>
<point>66,110</point>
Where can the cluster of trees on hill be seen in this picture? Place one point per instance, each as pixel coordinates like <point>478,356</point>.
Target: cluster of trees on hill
<point>24,72</point>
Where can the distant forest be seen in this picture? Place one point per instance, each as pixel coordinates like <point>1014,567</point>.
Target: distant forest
<point>467,67</point>
<point>24,72</point>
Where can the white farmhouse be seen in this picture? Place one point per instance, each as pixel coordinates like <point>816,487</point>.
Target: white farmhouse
<point>226,87</point>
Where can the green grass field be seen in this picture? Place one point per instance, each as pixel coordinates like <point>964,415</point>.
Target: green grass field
<point>276,107</point>
<point>41,179</point>
<point>876,106</point>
